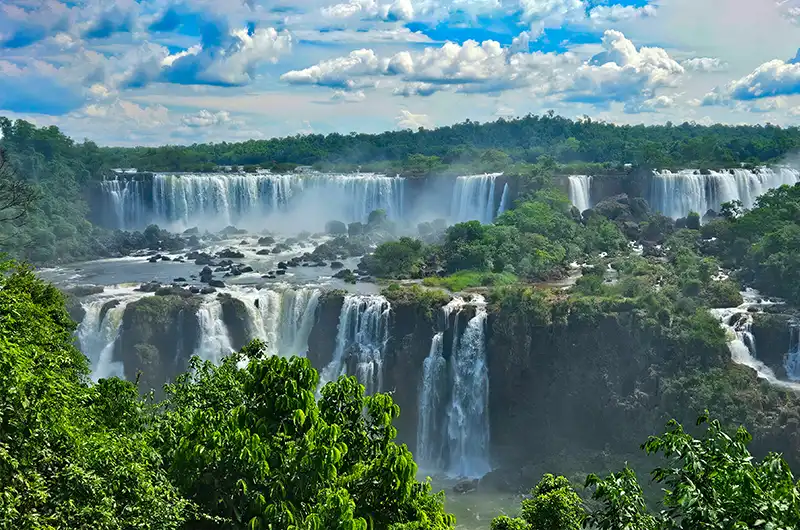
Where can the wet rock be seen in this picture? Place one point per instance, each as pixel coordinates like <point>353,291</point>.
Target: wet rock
<point>244,242</point>
<point>150,287</point>
<point>84,290</point>
<point>246,269</point>
<point>173,291</point>
<point>153,259</point>
<point>195,290</point>
<point>264,252</point>
<point>337,265</point>
<point>230,253</point>
<point>280,272</point>
<point>108,306</point>
<point>466,486</point>
<point>206,274</point>
<point>266,241</point>
<point>194,231</point>
<point>208,290</point>
<point>283,265</point>
<point>165,258</point>
<point>179,280</point>
<point>232,231</point>
<point>217,283</point>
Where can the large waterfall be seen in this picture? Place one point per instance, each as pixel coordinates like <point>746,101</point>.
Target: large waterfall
<point>474,198</point>
<point>213,201</point>
<point>677,194</point>
<point>282,318</point>
<point>453,428</point>
<point>100,328</point>
<point>580,191</point>
<point>361,339</point>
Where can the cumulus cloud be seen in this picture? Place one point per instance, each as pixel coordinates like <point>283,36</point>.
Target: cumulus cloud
<point>705,64</point>
<point>655,104</point>
<point>25,23</point>
<point>624,74</point>
<point>771,79</point>
<point>604,15</point>
<point>205,118</point>
<point>408,120</point>
<point>348,97</point>
<point>467,67</point>
<point>231,63</point>
<point>115,20</point>
<point>398,10</point>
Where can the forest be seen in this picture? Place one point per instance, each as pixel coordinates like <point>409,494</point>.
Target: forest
<point>260,446</point>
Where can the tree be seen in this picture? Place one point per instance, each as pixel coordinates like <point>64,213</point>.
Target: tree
<point>553,505</point>
<point>17,197</point>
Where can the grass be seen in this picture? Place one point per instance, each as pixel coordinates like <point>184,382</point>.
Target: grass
<point>466,279</point>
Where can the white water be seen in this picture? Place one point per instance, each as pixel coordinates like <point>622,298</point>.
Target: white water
<point>97,338</point>
<point>580,191</point>
<point>677,194</point>
<point>430,448</point>
<point>215,342</point>
<point>213,201</point>
<point>282,319</point>
<point>361,339</point>
<point>792,362</point>
<point>468,415</point>
<point>503,201</point>
<point>738,322</point>
<point>474,198</point>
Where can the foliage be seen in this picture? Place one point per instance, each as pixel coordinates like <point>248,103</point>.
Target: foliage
<point>466,279</point>
<point>553,505</point>
<point>712,482</point>
<point>229,447</point>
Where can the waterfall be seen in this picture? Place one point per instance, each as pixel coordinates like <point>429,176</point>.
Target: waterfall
<point>98,332</point>
<point>468,415</point>
<point>580,192</point>
<point>282,319</point>
<point>215,342</point>
<point>430,447</point>
<point>361,339</point>
<point>126,200</point>
<point>738,322</point>
<point>792,361</point>
<point>473,198</point>
<point>503,201</point>
<point>677,194</point>
<point>213,201</point>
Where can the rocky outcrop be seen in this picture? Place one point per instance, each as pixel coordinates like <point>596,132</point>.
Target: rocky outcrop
<point>773,340</point>
<point>322,339</point>
<point>236,319</point>
<point>158,336</point>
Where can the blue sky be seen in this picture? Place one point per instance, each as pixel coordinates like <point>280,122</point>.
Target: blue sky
<point>151,72</point>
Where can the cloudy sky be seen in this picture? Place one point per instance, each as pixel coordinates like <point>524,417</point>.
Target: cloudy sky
<point>133,72</point>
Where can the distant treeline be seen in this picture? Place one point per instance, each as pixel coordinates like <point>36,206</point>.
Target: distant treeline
<point>494,144</point>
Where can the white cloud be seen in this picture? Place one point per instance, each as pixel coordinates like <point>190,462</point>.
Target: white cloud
<point>467,67</point>
<point>407,120</point>
<point>205,118</point>
<point>398,10</point>
<point>704,64</point>
<point>604,15</point>
<point>650,105</point>
<point>773,78</point>
<point>623,73</point>
<point>348,97</point>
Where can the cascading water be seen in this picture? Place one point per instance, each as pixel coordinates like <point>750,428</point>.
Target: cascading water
<point>361,339</point>
<point>282,319</point>
<point>100,328</point>
<point>474,198</point>
<point>738,322</point>
<point>215,342</point>
<point>430,437</point>
<point>503,201</point>
<point>126,200</point>
<point>792,362</point>
<point>468,415</point>
<point>211,201</point>
<point>580,191</point>
<point>677,194</point>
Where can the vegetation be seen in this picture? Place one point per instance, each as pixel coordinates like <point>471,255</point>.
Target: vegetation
<point>228,447</point>
<point>711,482</point>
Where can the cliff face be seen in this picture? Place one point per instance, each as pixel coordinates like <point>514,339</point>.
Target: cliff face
<point>322,339</point>
<point>773,340</point>
<point>581,383</point>
<point>158,336</point>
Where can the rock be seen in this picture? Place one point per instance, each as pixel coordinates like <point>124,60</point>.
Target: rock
<point>244,242</point>
<point>229,253</point>
<point>194,231</point>
<point>84,290</point>
<point>337,265</point>
<point>280,272</point>
<point>206,274</point>
<point>466,486</point>
<point>153,259</point>
<point>217,283</point>
<point>232,231</point>
<point>208,290</point>
<point>264,252</point>
<point>266,241</point>
<point>150,287</point>
<point>283,265</point>
<point>196,290</point>
<point>165,258</point>
<point>246,269</point>
<point>108,306</point>
<point>179,280</point>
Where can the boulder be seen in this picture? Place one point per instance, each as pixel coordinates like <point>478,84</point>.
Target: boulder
<point>206,274</point>
<point>337,265</point>
<point>217,283</point>
<point>230,253</point>
<point>466,486</point>
<point>208,290</point>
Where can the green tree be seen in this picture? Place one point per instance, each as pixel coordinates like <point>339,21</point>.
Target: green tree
<point>553,505</point>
